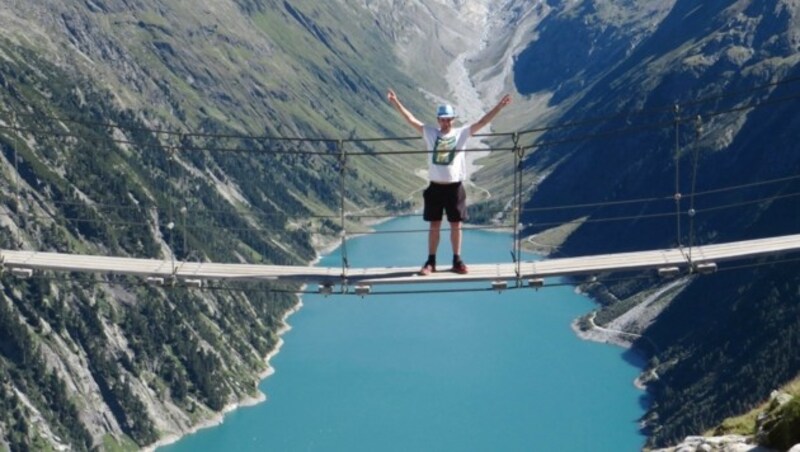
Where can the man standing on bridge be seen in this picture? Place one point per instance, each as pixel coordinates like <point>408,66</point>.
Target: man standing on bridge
<point>447,170</point>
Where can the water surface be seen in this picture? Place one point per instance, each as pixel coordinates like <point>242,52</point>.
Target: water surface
<point>459,371</point>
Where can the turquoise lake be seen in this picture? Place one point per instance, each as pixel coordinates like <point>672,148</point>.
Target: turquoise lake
<point>461,371</point>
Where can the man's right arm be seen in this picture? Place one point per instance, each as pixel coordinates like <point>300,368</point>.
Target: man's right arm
<point>407,115</point>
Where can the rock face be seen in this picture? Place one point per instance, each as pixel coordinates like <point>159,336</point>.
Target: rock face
<point>779,426</point>
<point>776,430</point>
<point>727,443</point>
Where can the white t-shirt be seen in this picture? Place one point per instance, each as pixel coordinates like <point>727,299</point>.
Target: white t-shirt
<point>448,161</point>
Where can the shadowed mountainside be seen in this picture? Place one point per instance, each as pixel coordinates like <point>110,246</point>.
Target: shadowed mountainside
<point>724,342</point>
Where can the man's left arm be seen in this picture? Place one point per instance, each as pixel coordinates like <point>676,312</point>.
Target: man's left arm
<point>487,118</point>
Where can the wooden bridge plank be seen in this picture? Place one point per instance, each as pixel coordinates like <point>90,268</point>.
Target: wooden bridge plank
<point>618,262</point>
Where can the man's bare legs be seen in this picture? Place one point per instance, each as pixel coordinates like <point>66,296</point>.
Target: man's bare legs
<point>435,232</point>
<point>434,235</point>
<point>433,243</point>
<point>455,237</point>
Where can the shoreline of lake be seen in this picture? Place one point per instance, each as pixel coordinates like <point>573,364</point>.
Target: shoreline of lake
<point>346,306</point>
<point>219,417</point>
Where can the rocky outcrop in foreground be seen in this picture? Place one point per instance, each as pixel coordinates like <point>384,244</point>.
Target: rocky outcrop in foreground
<point>727,443</point>
<point>777,429</point>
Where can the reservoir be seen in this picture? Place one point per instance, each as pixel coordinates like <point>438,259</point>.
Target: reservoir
<point>445,369</point>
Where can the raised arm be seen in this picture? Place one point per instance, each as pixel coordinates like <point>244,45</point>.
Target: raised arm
<point>410,118</point>
<point>487,118</point>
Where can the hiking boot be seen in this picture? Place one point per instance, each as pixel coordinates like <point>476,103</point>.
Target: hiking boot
<point>427,269</point>
<point>459,267</point>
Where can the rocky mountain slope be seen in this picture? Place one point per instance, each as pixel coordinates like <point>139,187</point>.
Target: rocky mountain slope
<point>159,129</point>
<point>689,98</point>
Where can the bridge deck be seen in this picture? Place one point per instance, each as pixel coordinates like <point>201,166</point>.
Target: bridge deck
<point>634,261</point>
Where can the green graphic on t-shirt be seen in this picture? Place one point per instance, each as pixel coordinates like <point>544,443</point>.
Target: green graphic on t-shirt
<point>444,150</point>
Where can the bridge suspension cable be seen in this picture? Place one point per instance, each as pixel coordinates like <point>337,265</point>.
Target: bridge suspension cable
<point>176,143</point>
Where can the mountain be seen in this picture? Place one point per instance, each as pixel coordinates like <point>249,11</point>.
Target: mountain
<point>177,130</point>
<point>665,98</point>
<point>171,129</point>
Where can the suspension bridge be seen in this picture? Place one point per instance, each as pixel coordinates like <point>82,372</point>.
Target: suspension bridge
<point>668,263</point>
<point>681,259</point>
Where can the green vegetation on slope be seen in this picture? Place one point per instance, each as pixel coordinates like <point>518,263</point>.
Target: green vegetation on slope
<point>165,134</point>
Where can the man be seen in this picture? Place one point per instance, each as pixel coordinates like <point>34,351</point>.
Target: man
<point>447,170</point>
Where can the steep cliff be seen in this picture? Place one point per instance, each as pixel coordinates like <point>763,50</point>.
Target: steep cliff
<point>700,102</point>
<point>166,129</point>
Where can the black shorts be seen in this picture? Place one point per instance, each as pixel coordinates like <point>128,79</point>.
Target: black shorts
<point>450,198</point>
